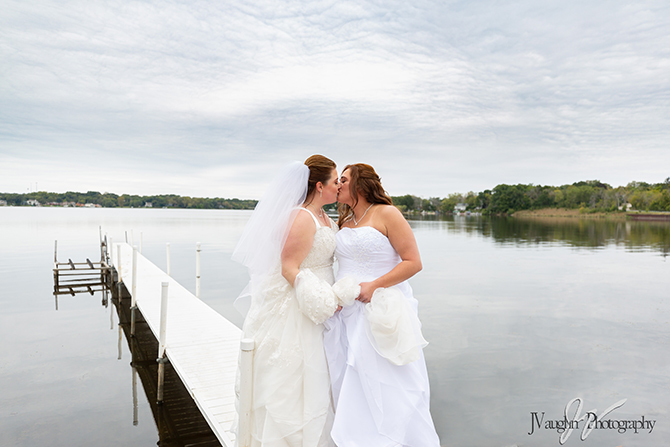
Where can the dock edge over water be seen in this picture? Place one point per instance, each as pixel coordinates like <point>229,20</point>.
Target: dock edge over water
<point>202,346</point>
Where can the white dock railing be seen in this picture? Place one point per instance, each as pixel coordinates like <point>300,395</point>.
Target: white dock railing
<point>202,346</point>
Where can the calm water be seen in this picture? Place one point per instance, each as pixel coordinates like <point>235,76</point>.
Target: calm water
<point>522,317</point>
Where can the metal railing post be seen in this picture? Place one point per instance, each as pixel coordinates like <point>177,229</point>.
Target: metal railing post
<point>161,341</point>
<point>247,346</point>
<point>197,269</point>
<point>133,297</point>
<point>118,268</point>
<point>167,247</point>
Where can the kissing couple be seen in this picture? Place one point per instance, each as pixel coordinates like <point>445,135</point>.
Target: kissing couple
<point>338,357</point>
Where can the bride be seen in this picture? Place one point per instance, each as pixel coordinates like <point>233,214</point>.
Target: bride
<point>380,400</point>
<point>289,240</point>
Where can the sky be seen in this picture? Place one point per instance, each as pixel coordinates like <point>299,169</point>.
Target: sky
<point>210,99</point>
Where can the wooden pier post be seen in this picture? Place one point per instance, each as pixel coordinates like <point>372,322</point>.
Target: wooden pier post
<point>247,346</point>
<point>161,341</point>
<point>133,298</point>
<point>197,269</point>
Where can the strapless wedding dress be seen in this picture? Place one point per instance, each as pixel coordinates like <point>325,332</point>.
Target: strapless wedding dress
<point>377,403</point>
<point>291,403</point>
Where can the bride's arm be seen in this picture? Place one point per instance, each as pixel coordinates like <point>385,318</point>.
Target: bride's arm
<point>298,244</point>
<point>402,239</point>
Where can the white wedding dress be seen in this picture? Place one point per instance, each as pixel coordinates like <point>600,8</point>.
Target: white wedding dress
<point>377,403</point>
<point>291,403</point>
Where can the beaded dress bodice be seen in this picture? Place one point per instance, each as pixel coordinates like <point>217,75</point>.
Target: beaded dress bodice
<point>320,257</point>
<point>364,253</point>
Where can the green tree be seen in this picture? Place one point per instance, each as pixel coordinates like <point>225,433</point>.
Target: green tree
<point>509,198</point>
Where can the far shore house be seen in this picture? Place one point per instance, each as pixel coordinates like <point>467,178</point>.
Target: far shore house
<point>33,202</point>
<point>148,205</point>
<point>3,203</point>
<point>460,208</point>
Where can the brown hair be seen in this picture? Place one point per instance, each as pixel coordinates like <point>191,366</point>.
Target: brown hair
<point>320,170</point>
<point>363,182</point>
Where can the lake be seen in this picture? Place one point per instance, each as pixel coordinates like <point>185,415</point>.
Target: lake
<point>523,317</point>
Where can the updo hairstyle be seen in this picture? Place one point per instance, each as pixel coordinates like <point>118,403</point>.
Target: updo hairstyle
<point>363,182</point>
<point>320,170</point>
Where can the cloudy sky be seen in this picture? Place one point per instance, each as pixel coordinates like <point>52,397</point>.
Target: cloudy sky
<point>209,98</point>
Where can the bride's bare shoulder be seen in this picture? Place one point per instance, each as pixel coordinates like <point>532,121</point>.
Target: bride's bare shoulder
<point>303,221</point>
<point>390,212</point>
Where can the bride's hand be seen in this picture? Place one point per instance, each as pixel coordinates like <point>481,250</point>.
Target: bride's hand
<point>367,289</point>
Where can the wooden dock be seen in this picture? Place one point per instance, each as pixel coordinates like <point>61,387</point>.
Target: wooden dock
<point>201,345</point>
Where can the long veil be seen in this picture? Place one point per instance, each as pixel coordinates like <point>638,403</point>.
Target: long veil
<point>259,248</point>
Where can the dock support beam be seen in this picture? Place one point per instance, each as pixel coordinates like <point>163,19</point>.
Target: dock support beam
<point>247,346</point>
<point>161,342</point>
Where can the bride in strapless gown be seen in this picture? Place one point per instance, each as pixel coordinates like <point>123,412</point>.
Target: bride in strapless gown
<point>377,403</point>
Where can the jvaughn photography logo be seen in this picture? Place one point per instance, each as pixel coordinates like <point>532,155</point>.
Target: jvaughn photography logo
<point>573,419</point>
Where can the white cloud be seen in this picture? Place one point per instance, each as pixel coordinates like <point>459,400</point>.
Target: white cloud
<point>440,96</point>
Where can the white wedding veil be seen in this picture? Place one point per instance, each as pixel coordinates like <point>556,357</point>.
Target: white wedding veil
<point>259,248</point>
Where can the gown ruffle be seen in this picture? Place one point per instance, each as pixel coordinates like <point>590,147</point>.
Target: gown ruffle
<point>291,403</point>
<point>377,403</point>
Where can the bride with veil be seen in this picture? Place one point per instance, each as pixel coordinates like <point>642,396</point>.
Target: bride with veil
<point>288,247</point>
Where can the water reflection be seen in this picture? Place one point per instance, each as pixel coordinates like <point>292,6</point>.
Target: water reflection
<point>574,232</point>
<point>521,315</point>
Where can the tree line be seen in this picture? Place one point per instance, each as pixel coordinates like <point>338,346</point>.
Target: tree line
<point>588,196</point>
<point>110,200</point>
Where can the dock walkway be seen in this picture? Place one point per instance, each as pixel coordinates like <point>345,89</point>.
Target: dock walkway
<point>201,345</point>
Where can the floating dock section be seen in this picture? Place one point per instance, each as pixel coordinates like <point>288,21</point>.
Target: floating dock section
<point>202,346</point>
